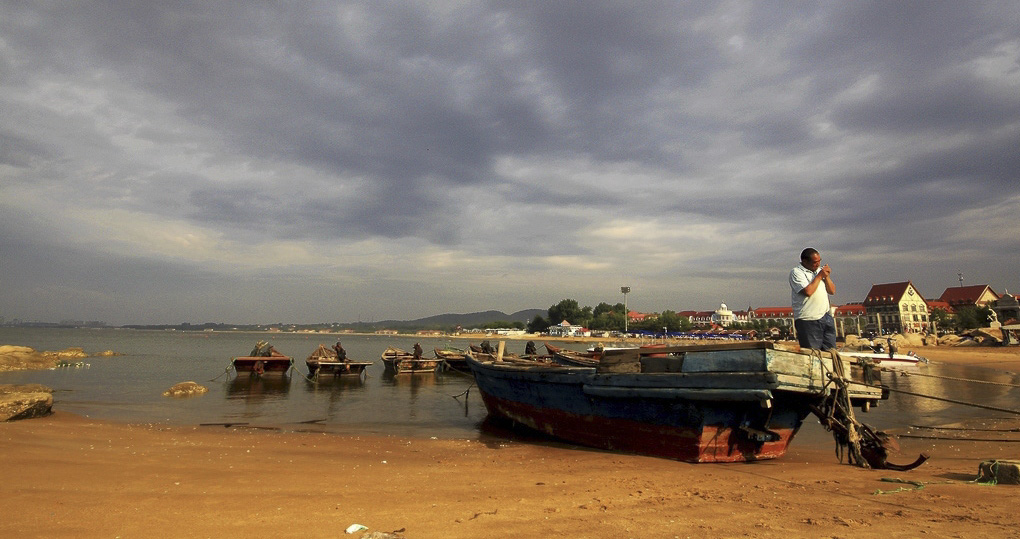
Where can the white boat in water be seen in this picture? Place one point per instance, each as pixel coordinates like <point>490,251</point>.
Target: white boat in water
<point>883,359</point>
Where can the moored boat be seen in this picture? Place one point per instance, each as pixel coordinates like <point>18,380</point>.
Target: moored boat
<point>263,359</point>
<point>573,358</point>
<point>709,403</point>
<point>400,361</point>
<point>323,362</point>
<point>452,358</point>
<point>909,359</point>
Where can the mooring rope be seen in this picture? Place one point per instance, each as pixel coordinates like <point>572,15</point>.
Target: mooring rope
<point>839,410</point>
<point>955,439</point>
<point>972,429</point>
<point>225,371</point>
<point>907,373</point>
<point>294,369</point>
<point>954,401</point>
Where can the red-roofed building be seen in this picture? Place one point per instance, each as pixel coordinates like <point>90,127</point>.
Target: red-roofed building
<point>979,295</point>
<point>896,308</point>
<point>939,304</point>
<point>635,316</point>
<point>774,316</point>
<point>850,318</point>
<point>698,318</point>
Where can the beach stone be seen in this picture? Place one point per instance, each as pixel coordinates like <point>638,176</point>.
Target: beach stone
<point>949,340</point>
<point>67,353</point>
<point>19,358</point>
<point>1002,472</point>
<point>852,340</point>
<point>24,401</point>
<point>912,339</point>
<point>988,336</point>
<point>186,389</point>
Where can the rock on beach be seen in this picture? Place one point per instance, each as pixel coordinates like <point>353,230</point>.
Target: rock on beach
<point>21,358</point>
<point>24,401</point>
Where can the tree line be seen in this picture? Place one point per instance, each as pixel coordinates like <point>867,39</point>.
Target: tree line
<point>605,317</point>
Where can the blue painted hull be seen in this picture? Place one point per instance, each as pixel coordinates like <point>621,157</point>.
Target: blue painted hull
<point>698,417</point>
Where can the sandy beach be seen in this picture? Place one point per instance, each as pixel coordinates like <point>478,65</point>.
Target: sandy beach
<point>68,476</point>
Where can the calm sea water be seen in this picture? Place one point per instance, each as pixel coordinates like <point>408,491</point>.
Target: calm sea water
<point>129,387</point>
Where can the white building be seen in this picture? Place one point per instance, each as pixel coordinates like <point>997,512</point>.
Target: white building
<point>565,329</point>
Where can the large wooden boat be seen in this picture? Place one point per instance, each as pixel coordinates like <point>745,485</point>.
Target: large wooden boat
<point>263,359</point>
<point>324,363</point>
<point>399,361</point>
<point>705,403</point>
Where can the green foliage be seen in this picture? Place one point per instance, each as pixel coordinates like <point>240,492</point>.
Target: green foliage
<point>538,324</point>
<point>569,310</point>
<point>972,317</point>
<point>603,308</point>
<point>608,321</point>
<point>943,320</point>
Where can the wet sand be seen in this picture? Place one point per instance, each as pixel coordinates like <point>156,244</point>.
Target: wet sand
<point>68,476</point>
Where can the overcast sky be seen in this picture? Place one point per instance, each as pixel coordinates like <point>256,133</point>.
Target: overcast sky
<point>243,162</point>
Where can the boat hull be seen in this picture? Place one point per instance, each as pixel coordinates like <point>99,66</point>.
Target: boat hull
<point>693,440</point>
<point>744,405</point>
<point>409,365</point>
<point>452,359</point>
<point>319,369</point>
<point>693,431</point>
<point>262,364</point>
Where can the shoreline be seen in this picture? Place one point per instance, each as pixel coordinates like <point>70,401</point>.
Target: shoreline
<point>71,476</point>
<point>68,475</point>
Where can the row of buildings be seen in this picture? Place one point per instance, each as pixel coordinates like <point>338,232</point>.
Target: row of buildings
<point>888,308</point>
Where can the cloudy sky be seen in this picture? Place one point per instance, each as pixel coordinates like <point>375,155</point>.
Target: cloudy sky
<point>244,162</point>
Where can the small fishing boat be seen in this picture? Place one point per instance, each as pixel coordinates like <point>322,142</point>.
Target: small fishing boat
<point>263,359</point>
<point>701,403</point>
<point>910,359</point>
<point>572,357</point>
<point>452,358</point>
<point>399,361</point>
<point>323,363</point>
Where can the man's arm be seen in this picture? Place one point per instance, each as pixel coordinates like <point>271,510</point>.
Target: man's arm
<point>824,278</point>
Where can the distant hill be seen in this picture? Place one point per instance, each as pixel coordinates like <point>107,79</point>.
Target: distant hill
<point>439,321</point>
<point>452,320</point>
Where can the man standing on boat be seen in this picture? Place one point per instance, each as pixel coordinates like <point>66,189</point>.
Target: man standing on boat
<point>811,285</point>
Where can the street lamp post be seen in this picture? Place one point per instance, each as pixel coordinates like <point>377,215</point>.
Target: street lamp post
<point>626,312</point>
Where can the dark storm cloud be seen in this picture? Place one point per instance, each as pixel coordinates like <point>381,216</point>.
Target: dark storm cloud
<point>574,142</point>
